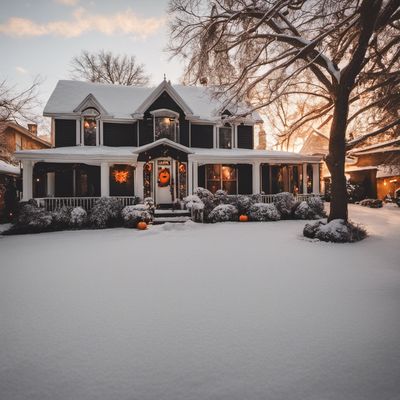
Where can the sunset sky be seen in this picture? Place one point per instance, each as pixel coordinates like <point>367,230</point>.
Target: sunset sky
<point>41,37</point>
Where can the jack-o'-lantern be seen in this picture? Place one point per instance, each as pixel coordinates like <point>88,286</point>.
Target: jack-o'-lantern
<point>243,218</point>
<point>141,225</point>
<point>163,177</point>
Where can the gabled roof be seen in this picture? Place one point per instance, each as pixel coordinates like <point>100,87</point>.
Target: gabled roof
<point>90,102</point>
<point>163,142</point>
<point>390,145</point>
<point>24,131</point>
<point>307,147</point>
<point>129,102</point>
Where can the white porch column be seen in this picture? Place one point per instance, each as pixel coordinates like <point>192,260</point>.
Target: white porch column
<point>195,175</point>
<point>78,132</point>
<point>256,178</point>
<point>139,192</point>
<point>105,179</point>
<point>51,184</point>
<point>315,170</point>
<point>304,178</point>
<point>27,180</point>
<point>190,177</point>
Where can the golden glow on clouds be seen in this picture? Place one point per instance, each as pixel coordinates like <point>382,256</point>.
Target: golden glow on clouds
<point>126,22</point>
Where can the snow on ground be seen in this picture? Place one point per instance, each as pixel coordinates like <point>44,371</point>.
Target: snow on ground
<point>226,311</point>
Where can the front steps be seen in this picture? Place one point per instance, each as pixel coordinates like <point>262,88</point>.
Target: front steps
<point>174,216</point>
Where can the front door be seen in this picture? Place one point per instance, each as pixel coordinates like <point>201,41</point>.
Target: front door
<point>164,176</point>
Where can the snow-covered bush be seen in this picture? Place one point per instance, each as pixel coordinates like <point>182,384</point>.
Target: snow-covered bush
<point>207,198</point>
<point>105,213</point>
<point>284,202</point>
<point>220,197</point>
<point>317,205</point>
<point>337,231</point>
<point>223,213</point>
<point>192,199</point>
<point>264,212</point>
<point>303,210</point>
<point>32,219</point>
<point>78,217</point>
<point>372,203</point>
<point>243,203</point>
<point>149,203</point>
<point>62,217</point>
<point>132,215</point>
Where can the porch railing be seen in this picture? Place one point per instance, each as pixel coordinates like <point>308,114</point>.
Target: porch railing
<point>53,203</point>
<point>270,198</point>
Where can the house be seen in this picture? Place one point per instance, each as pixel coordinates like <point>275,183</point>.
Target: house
<point>14,137</point>
<point>111,140</point>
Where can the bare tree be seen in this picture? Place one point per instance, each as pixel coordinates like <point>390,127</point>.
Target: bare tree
<point>19,105</point>
<point>105,67</point>
<point>275,48</point>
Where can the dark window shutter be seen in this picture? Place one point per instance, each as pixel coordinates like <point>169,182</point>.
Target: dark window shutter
<point>265,179</point>
<point>245,137</point>
<point>64,132</point>
<point>202,136</point>
<point>201,176</point>
<point>245,178</point>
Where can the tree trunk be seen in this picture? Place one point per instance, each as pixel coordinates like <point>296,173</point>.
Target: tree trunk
<point>337,155</point>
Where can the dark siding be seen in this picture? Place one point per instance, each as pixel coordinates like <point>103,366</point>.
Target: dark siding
<point>265,181</point>
<point>65,132</point>
<point>119,134</point>
<point>202,136</point>
<point>245,137</point>
<point>245,177</point>
<point>146,126</point>
<point>201,176</point>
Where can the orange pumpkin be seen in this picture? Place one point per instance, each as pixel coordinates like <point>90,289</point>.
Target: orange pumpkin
<point>163,176</point>
<point>141,225</point>
<point>243,218</point>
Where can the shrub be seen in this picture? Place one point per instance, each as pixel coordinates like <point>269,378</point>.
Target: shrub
<point>264,212</point>
<point>317,205</point>
<point>221,197</point>
<point>223,213</point>
<point>284,202</point>
<point>149,203</point>
<point>132,215</point>
<point>62,217</point>
<point>78,217</point>
<point>192,199</point>
<point>207,198</point>
<point>337,231</point>
<point>105,213</point>
<point>243,203</point>
<point>372,203</point>
<point>304,211</point>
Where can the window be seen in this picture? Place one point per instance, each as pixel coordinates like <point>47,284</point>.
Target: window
<point>165,127</point>
<point>221,177</point>
<point>18,142</point>
<point>225,137</point>
<point>90,126</point>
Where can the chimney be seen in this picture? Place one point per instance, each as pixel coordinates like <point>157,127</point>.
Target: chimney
<point>32,128</point>
<point>203,81</point>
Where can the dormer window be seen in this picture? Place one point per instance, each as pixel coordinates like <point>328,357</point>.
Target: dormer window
<point>225,137</point>
<point>90,118</point>
<point>166,124</point>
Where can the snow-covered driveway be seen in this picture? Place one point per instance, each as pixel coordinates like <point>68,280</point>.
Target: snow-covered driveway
<point>227,311</point>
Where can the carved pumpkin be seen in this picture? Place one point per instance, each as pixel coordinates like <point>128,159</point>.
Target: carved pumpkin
<point>163,177</point>
<point>141,225</point>
<point>243,218</point>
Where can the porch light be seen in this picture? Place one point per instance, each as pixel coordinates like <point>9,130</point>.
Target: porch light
<point>121,176</point>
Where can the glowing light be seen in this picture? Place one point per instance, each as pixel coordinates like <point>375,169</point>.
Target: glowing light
<point>121,176</point>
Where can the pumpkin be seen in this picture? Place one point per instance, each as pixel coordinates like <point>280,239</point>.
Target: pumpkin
<point>163,176</point>
<point>243,218</point>
<point>141,225</point>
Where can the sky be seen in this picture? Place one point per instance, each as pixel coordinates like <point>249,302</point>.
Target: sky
<point>40,37</point>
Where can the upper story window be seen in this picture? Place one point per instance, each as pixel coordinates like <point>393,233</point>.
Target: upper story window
<point>166,125</point>
<point>225,137</point>
<point>90,126</point>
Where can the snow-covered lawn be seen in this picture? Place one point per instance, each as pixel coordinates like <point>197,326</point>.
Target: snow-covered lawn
<point>227,311</point>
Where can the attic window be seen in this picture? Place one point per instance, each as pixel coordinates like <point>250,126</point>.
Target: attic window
<point>90,126</point>
<point>166,124</point>
<point>225,137</point>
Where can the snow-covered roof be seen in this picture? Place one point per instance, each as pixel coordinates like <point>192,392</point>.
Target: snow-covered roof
<point>128,102</point>
<point>377,147</point>
<point>7,168</point>
<point>163,141</point>
<point>385,171</point>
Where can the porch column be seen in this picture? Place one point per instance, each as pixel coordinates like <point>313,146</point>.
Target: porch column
<point>51,184</point>
<point>315,170</point>
<point>105,179</point>
<point>27,180</point>
<point>256,177</point>
<point>190,177</point>
<point>139,180</point>
<point>305,178</point>
<point>195,175</point>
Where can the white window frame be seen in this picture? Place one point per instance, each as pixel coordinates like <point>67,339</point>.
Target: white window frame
<point>232,136</point>
<point>99,126</point>
<point>165,113</point>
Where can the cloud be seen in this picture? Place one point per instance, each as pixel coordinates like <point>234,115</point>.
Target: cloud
<point>126,22</point>
<point>21,70</point>
<point>67,2</point>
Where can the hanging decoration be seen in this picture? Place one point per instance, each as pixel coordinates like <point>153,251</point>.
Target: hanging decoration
<point>121,176</point>
<point>163,177</point>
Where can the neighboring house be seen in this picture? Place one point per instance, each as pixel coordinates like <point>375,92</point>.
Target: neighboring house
<point>162,142</point>
<point>14,137</point>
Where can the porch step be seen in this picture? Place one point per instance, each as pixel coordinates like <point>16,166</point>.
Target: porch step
<point>163,216</point>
